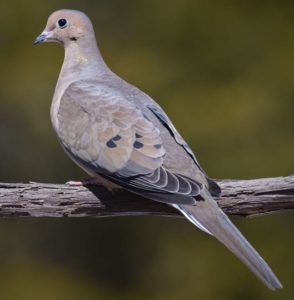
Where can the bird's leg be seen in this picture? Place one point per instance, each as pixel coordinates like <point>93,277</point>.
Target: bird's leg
<point>86,182</point>
<point>98,181</point>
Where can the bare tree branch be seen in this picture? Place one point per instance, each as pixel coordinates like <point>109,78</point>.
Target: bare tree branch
<point>239,197</point>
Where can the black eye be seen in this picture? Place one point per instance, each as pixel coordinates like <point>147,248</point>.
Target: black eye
<point>62,23</point>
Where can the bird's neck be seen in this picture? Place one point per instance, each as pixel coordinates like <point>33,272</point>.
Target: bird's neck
<point>79,63</point>
<point>82,62</point>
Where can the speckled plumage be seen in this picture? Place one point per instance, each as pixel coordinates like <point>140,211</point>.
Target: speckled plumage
<point>115,131</point>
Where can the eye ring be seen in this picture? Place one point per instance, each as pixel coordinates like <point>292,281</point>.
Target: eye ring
<point>62,23</point>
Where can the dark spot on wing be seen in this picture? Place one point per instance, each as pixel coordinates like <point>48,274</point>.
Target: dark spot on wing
<point>111,144</point>
<point>73,38</point>
<point>138,145</point>
<point>157,146</point>
<point>199,198</point>
<point>138,136</point>
<point>116,138</point>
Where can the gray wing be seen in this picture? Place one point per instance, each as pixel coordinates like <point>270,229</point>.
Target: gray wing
<point>213,187</point>
<point>109,136</point>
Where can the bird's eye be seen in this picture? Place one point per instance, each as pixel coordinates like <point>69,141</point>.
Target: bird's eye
<point>62,23</point>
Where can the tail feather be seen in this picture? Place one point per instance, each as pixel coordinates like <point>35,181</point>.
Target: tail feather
<point>210,218</point>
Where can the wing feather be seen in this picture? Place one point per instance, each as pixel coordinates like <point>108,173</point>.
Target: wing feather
<point>110,136</point>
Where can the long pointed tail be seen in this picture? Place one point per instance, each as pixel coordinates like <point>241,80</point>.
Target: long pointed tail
<point>210,218</point>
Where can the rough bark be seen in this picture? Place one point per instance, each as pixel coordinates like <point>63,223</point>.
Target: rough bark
<point>239,197</point>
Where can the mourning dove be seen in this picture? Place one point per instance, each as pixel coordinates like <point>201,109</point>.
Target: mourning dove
<point>116,132</point>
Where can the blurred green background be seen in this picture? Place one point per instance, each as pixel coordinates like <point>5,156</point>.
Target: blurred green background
<point>223,71</point>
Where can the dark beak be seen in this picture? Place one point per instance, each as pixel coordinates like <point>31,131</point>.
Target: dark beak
<point>41,38</point>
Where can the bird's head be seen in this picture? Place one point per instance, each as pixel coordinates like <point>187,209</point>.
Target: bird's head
<point>65,27</point>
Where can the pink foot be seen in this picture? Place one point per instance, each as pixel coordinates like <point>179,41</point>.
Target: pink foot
<point>90,181</point>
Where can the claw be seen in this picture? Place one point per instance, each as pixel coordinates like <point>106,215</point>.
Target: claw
<point>74,183</point>
<point>90,181</point>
